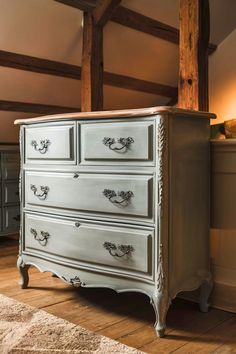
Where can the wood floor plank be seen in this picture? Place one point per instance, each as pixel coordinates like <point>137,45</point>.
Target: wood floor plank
<point>126,317</point>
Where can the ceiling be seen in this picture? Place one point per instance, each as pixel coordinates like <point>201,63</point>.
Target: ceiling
<point>51,30</point>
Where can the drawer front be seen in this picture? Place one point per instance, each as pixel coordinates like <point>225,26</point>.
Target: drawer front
<point>11,218</point>
<point>113,194</point>
<point>10,166</point>
<point>98,244</point>
<point>121,141</point>
<point>50,143</point>
<point>11,192</point>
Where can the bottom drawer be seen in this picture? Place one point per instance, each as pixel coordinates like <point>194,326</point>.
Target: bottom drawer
<point>11,219</point>
<point>88,242</point>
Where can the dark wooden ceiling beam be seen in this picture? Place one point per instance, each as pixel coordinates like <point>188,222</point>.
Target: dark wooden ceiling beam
<point>14,106</point>
<point>45,66</point>
<point>137,21</point>
<point>193,62</point>
<point>131,83</point>
<point>104,10</point>
<point>83,5</point>
<point>50,67</point>
<point>92,66</point>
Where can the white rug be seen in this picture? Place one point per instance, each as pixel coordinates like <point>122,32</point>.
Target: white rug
<point>27,330</point>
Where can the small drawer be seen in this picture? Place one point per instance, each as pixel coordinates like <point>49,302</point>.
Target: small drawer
<point>84,241</point>
<point>10,165</point>
<point>111,194</point>
<point>11,218</point>
<point>126,142</point>
<point>50,144</point>
<point>11,192</point>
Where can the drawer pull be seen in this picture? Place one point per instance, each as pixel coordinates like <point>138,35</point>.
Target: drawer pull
<point>112,249</point>
<point>124,142</point>
<point>44,189</point>
<point>42,240</point>
<point>43,145</point>
<point>122,196</point>
<point>17,217</point>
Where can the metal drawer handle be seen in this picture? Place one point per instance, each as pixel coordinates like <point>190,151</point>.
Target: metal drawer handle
<point>124,142</point>
<point>17,217</point>
<point>44,189</point>
<point>43,145</point>
<point>122,196</point>
<point>112,249</point>
<point>42,240</point>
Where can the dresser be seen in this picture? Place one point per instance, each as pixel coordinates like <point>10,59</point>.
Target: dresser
<point>118,199</point>
<point>9,192</point>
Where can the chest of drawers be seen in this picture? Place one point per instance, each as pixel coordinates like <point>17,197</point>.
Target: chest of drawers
<point>118,199</point>
<point>9,192</point>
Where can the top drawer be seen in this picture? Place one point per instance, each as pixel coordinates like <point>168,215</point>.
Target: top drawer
<point>50,143</point>
<point>116,142</point>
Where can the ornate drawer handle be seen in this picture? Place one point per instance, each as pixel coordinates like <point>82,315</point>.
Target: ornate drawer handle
<point>123,196</point>
<point>42,240</point>
<point>124,142</point>
<point>43,145</point>
<point>44,189</point>
<point>17,217</point>
<point>112,249</point>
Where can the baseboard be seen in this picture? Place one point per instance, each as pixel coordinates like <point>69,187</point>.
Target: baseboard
<point>223,296</point>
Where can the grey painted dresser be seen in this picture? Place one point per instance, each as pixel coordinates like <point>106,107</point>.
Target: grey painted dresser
<point>9,192</point>
<point>118,199</point>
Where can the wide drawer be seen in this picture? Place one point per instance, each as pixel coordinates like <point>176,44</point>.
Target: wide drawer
<point>11,192</point>
<point>120,141</point>
<point>11,218</point>
<point>50,143</point>
<point>100,193</point>
<point>83,241</point>
<point>10,165</point>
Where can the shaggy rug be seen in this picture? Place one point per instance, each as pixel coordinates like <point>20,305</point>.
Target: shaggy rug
<point>27,330</point>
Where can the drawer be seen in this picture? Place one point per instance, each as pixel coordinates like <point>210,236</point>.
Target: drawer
<point>117,142</point>
<point>11,192</point>
<point>88,242</point>
<point>10,165</point>
<point>11,218</point>
<point>51,143</point>
<point>112,194</point>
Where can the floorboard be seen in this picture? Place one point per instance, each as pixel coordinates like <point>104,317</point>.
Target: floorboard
<point>126,317</point>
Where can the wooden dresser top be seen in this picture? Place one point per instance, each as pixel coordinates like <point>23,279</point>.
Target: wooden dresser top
<point>127,113</point>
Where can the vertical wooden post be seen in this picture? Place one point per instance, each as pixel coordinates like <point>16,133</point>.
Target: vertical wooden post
<point>92,66</point>
<point>193,54</point>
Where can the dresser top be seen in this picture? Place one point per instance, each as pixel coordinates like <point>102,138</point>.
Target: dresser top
<point>126,113</point>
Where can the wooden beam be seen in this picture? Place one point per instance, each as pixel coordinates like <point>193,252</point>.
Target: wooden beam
<point>131,83</point>
<point>104,10</point>
<point>50,67</point>
<point>34,107</point>
<point>92,66</point>
<point>83,5</point>
<point>137,21</point>
<point>45,66</point>
<point>193,65</point>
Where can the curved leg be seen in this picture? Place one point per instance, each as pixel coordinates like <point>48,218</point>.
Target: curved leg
<point>160,304</point>
<point>24,276</point>
<point>206,289</point>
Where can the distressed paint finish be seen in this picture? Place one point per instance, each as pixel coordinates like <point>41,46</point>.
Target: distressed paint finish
<point>193,52</point>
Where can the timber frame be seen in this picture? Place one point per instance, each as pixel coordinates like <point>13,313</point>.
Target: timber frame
<point>194,47</point>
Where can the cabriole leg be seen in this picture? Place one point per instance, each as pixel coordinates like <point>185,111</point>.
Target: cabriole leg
<point>160,304</point>
<point>206,289</point>
<point>24,275</point>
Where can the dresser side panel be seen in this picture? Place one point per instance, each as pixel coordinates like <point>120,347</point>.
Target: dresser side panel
<point>189,202</point>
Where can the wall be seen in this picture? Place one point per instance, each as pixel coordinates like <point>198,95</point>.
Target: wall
<point>222,87</point>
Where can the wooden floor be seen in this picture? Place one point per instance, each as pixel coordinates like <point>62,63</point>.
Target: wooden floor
<point>126,317</point>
